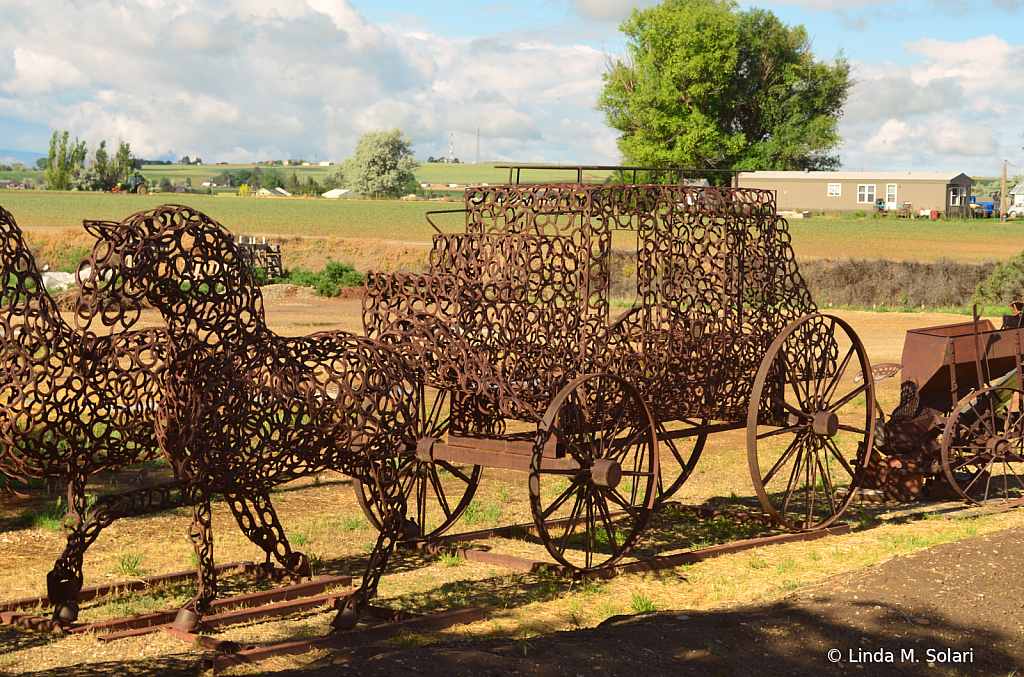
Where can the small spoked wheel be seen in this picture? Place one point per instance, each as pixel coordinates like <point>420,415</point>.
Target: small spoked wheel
<point>810,425</point>
<point>591,498</point>
<point>983,448</point>
<point>436,492</point>
<point>678,458</point>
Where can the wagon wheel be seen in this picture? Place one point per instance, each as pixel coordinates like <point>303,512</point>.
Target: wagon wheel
<point>810,427</point>
<point>682,453</point>
<point>436,492</point>
<point>680,460</point>
<point>983,448</point>
<point>591,505</point>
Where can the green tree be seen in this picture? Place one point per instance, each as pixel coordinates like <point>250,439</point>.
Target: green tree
<point>123,164</point>
<point>381,165</point>
<point>270,179</point>
<point>185,161</point>
<point>64,161</point>
<point>703,84</point>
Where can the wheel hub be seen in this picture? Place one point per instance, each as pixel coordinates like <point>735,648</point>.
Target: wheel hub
<point>998,445</point>
<point>606,473</point>
<point>825,423</point>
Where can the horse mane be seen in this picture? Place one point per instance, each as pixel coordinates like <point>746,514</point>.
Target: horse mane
<point>153,252</point>
<point>22,292</point>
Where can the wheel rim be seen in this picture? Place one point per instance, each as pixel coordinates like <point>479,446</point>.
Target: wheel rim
<point>436,492</point>
<point>810,424</point>
<point>678,458</point>
<point>983,448</point>
<point>602,423</point>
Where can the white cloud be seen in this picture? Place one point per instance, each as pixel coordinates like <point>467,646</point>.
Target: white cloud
<point>241,79</point>
<point>609,10</point>
<point>939,136</point>
<point>36,74</point>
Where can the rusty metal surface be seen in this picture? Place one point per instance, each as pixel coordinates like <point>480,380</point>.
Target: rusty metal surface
<point>74,400</point>
<point>517,306</point>
<point>244,410</point>
<point>86,594</point>
<point>437,621</point>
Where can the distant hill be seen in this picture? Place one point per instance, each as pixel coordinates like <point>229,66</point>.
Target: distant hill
<point>24,157</point>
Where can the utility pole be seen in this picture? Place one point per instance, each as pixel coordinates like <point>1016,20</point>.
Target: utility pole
<point>1002,196</point>
<point>451,149</point>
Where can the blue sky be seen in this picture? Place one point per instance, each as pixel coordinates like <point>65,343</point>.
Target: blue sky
<point>940,84</point>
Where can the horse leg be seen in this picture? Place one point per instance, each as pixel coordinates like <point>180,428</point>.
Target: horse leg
<point>267,533</point>
<point>64,581</point>
<point>201,533</point>
<point>393,526</point>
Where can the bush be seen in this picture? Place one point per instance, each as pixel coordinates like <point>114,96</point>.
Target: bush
<point>327,282</point>
<point>1005,285</point>
<point>900,284</point>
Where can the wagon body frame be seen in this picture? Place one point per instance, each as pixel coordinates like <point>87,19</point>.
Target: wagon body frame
<point>515,310</point>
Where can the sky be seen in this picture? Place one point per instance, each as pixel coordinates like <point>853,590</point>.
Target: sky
<point>940,84</point>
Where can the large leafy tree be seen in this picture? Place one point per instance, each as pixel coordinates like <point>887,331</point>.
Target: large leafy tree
<point>382,164</point>
<point>65,160</point>
<point>703,84</point>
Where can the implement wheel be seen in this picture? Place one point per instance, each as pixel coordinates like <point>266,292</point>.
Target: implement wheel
<point>592,501</point>
<point>436,492</point>
<point>983,448</point>
<point>810,425</point>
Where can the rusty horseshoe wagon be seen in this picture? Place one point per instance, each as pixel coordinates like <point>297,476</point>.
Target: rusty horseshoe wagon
<point>524,366</point>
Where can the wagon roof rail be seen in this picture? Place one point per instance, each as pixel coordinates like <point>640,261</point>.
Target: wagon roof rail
<point>516,169</point>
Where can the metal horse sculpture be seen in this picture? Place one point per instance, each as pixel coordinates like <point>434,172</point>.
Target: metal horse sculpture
<point>245,409</point>
<point>72,403</point>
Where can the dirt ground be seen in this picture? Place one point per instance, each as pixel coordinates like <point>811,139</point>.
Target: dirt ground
<point>877,594</point>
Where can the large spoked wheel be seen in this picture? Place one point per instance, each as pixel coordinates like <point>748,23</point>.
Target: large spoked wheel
<point>436,492</point>
<point>983,448</point>
<point>810,427</point>
<point>678,458</point>
<point>591,504</point>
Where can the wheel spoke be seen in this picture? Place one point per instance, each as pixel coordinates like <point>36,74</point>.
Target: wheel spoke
<point>794,476</point>
<point>852,429</point>
<point>840,370</point>
<point>831,445</point>
<point>826,480</point>
<point>782,460</point>
<point>570,527</point>
<point>849,397</point>
<point>435,481</point>
<point>606,518</point>
<point>624,504</point>
<point>454,471</point>
<point>783,431</point>
<point>560,499</point>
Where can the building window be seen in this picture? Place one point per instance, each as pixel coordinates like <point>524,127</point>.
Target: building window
<point>890,193</point>
<point>866,193</point>
<point>835,190</point>
<point>957,196</point>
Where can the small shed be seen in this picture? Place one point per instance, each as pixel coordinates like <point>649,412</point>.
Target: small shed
<point>947,192</point>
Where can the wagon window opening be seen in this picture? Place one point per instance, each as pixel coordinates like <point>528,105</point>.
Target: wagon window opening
<point>866,193</point>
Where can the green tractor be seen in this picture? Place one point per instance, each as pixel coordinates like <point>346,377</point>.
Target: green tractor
<point>135,184</point>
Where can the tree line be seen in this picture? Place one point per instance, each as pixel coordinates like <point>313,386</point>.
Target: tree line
<point>70,166</point>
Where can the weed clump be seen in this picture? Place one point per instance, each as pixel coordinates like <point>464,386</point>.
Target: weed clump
<point>1004,285</point>
<point>328,282</point>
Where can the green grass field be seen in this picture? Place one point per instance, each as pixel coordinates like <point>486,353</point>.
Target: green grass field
<point>919,239</point>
